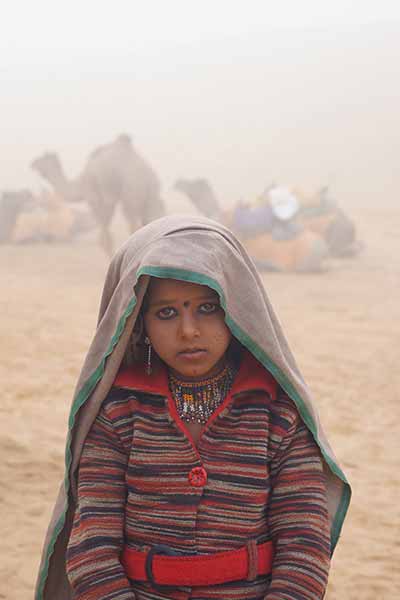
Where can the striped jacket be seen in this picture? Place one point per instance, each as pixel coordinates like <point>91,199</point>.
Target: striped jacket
<point>264,482</point>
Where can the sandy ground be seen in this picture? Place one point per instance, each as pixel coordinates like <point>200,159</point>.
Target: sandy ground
<point>344,328</point>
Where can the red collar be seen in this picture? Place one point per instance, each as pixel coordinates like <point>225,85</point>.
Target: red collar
<point>251,376</point>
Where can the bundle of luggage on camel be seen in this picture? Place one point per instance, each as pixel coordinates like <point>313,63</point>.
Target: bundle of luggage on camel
<point>284,229</point>
<point>288,231</point>
<point>29,218</point>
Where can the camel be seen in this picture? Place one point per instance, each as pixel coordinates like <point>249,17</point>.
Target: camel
<point>26,217</point>
<point>273,245</point>
<point>11,204</point>
<point>317,213</point>
<point>51,219</point>
<point>202,196</point>
<point>114,174</point>
<point>320,213</point>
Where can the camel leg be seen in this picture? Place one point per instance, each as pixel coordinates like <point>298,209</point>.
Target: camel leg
<point>106,241</point>
<point>131,213</point>
<point>105,237</point>
<point>103,210</point>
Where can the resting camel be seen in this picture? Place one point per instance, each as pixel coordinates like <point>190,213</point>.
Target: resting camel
<point>51,219</point>
<point>26,217</point>
<point>302,243</point>
<point>114,174</point>
<point>321,214</point>
<point>272,245</point>
<point>11,204</point>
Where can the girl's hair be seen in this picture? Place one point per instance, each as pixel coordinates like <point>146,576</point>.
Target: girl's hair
<point>135,351</point>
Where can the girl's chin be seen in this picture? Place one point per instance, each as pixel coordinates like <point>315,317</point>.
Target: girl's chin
<point>191,373</point>
<point>196,371</point>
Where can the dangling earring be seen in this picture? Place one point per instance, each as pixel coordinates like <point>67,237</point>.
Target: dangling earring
<point>148,365</point>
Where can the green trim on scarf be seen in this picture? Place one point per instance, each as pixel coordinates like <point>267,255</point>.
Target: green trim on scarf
<point>89,385</point>
<point>340,515</point>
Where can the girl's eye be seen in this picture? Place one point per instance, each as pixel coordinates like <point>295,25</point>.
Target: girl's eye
<point>208,308</point>
<point>166,313</point>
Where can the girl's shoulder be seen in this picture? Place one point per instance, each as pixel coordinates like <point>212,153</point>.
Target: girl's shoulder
<point>130,389</point>
<point>284,413</point>
<point>117,404</point>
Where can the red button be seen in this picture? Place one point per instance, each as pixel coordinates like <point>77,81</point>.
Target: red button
<point>198,477</point>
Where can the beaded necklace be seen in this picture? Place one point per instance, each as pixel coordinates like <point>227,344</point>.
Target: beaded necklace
<point>197,400</point>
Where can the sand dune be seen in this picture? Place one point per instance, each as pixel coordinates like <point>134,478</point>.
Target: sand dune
<point>344,328</point>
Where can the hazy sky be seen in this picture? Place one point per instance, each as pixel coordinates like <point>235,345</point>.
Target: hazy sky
<point>28,30</point>
<point>241,92</point>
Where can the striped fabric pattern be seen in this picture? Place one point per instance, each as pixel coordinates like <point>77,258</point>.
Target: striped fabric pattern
<point>264,481</point>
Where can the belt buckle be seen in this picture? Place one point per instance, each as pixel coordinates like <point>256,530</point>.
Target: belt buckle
<point>161,550</point>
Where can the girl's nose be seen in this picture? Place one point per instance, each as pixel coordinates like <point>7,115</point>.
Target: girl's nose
<point>189,327</point>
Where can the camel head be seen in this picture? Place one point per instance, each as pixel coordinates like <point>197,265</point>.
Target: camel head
<point>182,185</point>
<point>200,192</point>
<point>124,139</point>
<point>47,165</point>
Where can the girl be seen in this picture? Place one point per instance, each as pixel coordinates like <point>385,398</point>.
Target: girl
<point>196,466</point>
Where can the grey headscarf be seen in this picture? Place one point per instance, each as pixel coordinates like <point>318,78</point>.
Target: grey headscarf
<point>202,251</point>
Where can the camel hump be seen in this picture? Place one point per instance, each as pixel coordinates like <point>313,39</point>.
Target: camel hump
<point>124,139</point>
<point>123,143</point>
<point>47,164</point>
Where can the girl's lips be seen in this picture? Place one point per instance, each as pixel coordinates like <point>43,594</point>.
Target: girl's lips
<point>192,354</point>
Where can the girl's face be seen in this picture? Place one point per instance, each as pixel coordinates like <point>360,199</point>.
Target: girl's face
<point>186,327</point>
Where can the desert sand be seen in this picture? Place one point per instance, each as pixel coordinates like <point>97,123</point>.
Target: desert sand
<point>344,328</point>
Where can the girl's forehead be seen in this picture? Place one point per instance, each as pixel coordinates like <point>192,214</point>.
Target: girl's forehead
<point>177,289</point>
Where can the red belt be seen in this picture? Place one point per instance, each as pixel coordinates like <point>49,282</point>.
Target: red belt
<point>162,566</point>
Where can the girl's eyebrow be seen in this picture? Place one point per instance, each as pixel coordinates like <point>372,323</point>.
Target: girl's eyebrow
<point>169,302</point>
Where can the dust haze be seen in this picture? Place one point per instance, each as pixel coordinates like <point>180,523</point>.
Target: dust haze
<point>303,107</point>
<point>298,107</point>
